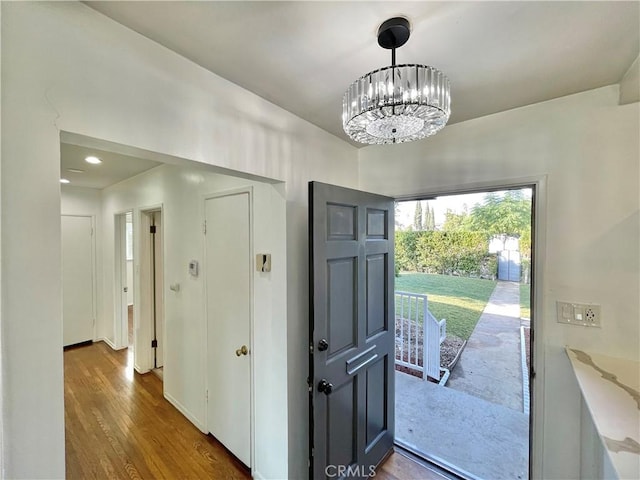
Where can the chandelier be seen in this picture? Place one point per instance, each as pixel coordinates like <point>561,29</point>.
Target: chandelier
<point>396,104</point>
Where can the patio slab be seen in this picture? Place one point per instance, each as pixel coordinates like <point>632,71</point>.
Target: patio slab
<point>481,439</point>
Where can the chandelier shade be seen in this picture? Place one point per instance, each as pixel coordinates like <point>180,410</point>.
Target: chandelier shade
<point>396,104</point>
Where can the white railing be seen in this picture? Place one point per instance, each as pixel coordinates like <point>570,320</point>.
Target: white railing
<point>418,334</point>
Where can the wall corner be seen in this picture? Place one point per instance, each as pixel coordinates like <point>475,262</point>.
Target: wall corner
<point>630,84</point>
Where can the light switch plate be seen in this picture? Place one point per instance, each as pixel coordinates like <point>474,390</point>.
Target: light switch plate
<point>583,314</point>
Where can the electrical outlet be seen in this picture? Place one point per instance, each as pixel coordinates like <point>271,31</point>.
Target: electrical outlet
<point>592,315</point>
<point>586,315</point>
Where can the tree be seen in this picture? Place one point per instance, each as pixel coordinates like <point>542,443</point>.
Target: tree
<point>433,218</point>
<point>429,222</point>
<point>509,215</point>
<point>397,215</point>
<point>456,222</point>
<point>417,217</point>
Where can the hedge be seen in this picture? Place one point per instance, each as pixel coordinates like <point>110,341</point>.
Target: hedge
<point>445,253</point>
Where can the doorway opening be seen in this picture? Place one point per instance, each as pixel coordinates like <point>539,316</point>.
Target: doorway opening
<point>463,323</point>
<point>130,284</point>
<point>124,331</point>
<point>152,288</point>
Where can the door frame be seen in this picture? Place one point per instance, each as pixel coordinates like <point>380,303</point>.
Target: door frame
<point>538,184</point>
<point>143,352</point>
<point>94,276</point>
<point>252,411</point>
<point>121,315</point>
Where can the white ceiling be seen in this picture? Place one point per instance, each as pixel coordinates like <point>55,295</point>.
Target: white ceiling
<point>302,56</point>
<point>113,169</point>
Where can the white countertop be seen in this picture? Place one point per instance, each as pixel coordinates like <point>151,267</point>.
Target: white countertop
<point>611,389</point>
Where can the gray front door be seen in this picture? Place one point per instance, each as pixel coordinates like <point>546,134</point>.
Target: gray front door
<point>352,331</point>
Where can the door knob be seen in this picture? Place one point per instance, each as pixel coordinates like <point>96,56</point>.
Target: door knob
<point>243,350</point>
<point>325,387</point>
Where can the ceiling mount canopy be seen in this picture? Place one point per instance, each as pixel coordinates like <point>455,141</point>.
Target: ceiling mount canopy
<point>396,104</point>
<point>394,33</point>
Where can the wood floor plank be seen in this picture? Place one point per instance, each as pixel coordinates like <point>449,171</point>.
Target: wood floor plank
<point>119,426</point>
<point>399,467</point>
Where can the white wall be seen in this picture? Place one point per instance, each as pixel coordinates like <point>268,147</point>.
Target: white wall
<point>66,67</point>
<point>630,84</point>
<point>1,304</point>
<point>80,201</point>
<point>588,146</point>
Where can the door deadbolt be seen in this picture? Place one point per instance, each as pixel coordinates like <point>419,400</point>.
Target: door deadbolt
<point>243,350</point>
<point>325,387</point>
<point>323,345</point>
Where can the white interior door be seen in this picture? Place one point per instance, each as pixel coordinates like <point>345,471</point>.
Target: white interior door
<point>228,299</point>
<point>77,279</point>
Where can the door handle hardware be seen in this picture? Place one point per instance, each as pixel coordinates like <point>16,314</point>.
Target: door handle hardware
<point>243,350</point>
<point>325,387</point>
<point>355,363</point>
<point>353,370</point>
<point>323,345</point>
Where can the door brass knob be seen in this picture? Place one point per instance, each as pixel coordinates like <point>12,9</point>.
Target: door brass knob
<point>243,350</point>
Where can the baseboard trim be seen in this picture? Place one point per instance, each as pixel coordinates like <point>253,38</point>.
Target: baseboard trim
<point>110,343</point>
<point>77,345</point>
<point>184,411</point>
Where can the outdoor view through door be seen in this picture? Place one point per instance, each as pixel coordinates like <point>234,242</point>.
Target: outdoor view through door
<point>462,333</point>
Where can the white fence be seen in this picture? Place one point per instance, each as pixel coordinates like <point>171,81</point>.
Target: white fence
<point>418,334</point>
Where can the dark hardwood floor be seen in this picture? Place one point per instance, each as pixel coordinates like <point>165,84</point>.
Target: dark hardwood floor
<point>118,425</point>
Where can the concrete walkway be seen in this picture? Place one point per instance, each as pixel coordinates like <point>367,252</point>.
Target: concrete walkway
<point>478,439</point>
<point>490,366</point>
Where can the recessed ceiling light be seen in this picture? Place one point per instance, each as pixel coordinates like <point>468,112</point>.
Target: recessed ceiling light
<point>92,159</point>
<point>64,180</point>
<point>75,170</point>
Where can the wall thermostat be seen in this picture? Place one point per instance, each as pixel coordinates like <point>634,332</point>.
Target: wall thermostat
<point>193,268</point>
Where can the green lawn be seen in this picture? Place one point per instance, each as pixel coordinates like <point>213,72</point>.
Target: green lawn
<point>459,300</point>
<point>525,300</point>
